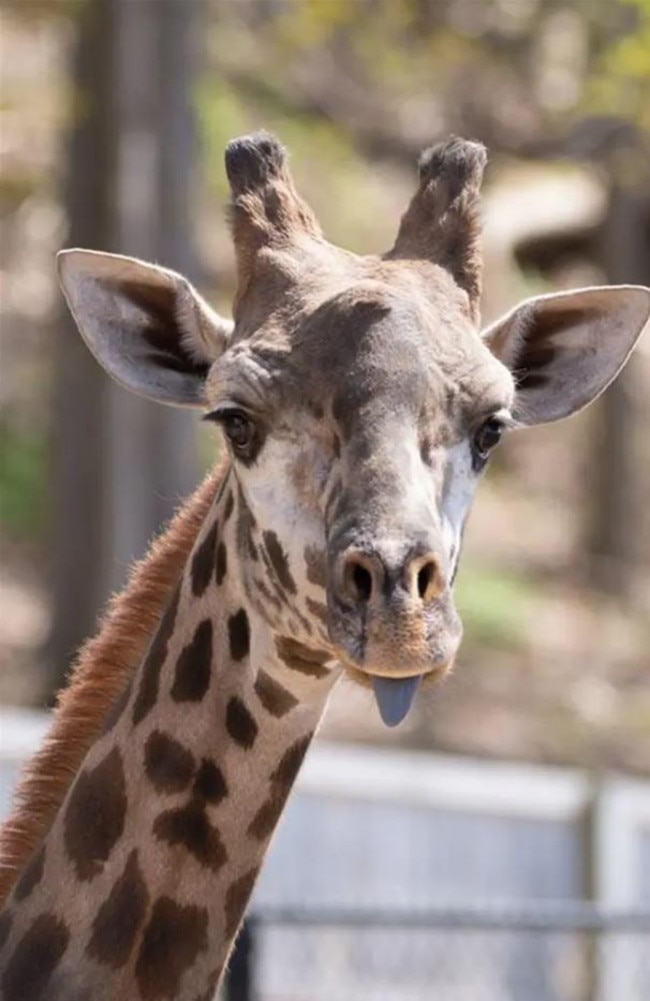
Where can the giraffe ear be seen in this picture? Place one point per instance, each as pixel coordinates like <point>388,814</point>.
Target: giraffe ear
<point>564,349</point>
<point>147,326</point>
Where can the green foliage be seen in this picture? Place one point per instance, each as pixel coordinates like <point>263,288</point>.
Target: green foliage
<point>495,606</point>
<point>35,10</point>
<point>621,82</point>
<point>23,462</point>
<point>328,169</point>
<point>221,115</point>
<point>15,189</point>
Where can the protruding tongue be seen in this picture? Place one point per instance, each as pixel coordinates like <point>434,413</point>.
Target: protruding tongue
<point>395,697</point>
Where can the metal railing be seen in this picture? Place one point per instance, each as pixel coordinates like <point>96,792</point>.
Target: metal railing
<point>564,951</point>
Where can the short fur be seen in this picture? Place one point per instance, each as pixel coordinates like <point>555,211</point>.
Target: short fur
<point>103,669</point>
<point>265,208</point>
<point>442,224</point>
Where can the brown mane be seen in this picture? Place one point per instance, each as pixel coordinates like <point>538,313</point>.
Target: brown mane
<point>103,668</point>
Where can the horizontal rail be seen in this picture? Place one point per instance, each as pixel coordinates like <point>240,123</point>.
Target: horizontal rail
<point>551,917</point>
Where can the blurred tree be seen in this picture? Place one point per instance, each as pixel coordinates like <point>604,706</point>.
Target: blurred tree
<point>76,510</point>
<point>395,73</point>
<point>618,508</point>
<point>120,464</point>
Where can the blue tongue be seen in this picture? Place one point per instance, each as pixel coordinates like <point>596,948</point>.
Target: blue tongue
<point>395,697</point>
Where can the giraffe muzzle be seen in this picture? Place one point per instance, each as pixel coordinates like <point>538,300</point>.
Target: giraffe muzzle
<point>392,616</point>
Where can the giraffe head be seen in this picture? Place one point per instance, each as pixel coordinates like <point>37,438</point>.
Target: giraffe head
<point>359,399</point>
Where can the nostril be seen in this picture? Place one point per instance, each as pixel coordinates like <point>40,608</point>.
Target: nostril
<point>361,579</point>
<point>427,580</point>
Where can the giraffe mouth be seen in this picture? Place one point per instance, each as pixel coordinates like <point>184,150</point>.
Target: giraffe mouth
<point>394,694</point>
<point>394,697</point>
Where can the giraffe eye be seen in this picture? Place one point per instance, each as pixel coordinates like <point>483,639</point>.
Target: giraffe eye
<point>487,437</point>
<point>238,428</point>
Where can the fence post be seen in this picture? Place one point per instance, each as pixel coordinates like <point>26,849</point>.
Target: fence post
<point>240,980</point>
<point>590,887</point>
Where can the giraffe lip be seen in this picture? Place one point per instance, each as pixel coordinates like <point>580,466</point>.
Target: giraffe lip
<point>395,697</point>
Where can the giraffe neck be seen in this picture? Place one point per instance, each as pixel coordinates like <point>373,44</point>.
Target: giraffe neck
<point>144,876</point>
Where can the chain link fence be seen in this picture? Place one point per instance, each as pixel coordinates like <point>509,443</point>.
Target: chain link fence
<point>566,952</point>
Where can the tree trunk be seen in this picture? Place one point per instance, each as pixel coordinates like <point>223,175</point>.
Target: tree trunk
<point>120,464</point>
<point>617,522</point>
<point>150,460</point>
<point>76,505</point>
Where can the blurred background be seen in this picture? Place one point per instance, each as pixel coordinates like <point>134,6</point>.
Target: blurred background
<point>115,114</point>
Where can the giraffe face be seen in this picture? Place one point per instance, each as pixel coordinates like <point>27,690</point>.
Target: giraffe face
<point>358,433</point>
<point>358,398</point>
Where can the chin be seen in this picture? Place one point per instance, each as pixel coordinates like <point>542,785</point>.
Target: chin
<point>365,676</point>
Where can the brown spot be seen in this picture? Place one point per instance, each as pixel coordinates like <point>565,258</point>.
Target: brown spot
<point>274,697</point>
<point>34,960</point>
<point>315,564</point>
<point>236,899</point>
<point>192,674</point>
<point>304,622</point>
<point>333,498</point>
<point>31,876</point>
<point>336,446</point>
<point>222,487</point>
<point>118,707</point>
<point>240,724</point>
<point>119,918</point>
<point>209,783</point>
<point>203,562</point>
<point>302,658</point>
<point>172,940</point>
<point>279,561</point>
<point>239,635</point>
<point>272,578</point>
<point>265,820</point>
<point>266,593</point>
<point>169,765</point>
<point>5,927</point>
<point>290,762</point>
<point>189,827</point>
<point>94,818</point>
<point>148,691</point>
<point>282,779</point>
<point>318,609</point>
<point>221,565</point>
<point>230,503</point>
<point>245,526</point>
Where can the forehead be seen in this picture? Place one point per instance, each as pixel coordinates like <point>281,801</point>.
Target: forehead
<point>392,337</point>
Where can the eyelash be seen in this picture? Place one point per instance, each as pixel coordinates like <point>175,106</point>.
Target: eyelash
<point>485,438</point>
<point>238,427</point>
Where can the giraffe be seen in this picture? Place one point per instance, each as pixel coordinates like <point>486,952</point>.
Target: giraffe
<point>359,402</point>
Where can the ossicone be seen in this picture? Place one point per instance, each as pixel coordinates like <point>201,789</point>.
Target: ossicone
<point>266,211</point>
<point>253,161</point>
<point>442,223</point>
<point>456,163</point>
